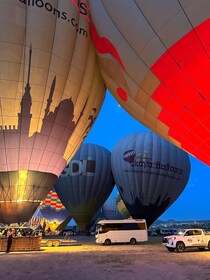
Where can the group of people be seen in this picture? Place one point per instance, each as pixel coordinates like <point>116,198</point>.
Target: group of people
<point>19,232</point>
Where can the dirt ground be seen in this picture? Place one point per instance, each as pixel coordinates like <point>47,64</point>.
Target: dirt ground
<point>89,261</point>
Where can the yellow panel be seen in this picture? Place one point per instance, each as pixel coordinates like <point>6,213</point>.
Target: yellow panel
<point>150,83</point>
<point>10,52</point>
<point>142,98</point>
<point>150,118</point>
<point>10,107</point>
<point>9,89</point>
<point>153,108</point>
<point>162,128</point>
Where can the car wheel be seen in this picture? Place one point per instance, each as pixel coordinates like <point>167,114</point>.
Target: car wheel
<point>133,241</point>
<point>209,245</point>
<point>107,242</point>
<point>180,247</point>
<point>170,249</point>
<point>201,248</point>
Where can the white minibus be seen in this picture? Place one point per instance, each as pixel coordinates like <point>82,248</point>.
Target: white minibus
<point>121,231</point>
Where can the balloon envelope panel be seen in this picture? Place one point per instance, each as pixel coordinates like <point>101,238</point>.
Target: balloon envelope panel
<point>86,182</point>
<point>150,174</point>
<point>35,220</point>
<point>51,92</point>
<point>110,209</point>
<point>122,208</point>
<point>97,217</point>
<point>154,57</point>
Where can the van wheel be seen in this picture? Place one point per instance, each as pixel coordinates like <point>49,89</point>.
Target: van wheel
<point>107,242</point>
<point>133,241</point>
<point>209,245</point>
<point>180,247</point>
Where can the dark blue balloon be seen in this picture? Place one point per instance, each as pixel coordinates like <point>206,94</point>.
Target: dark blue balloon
<point>150,174</point>
<point>110,209</point>
<point>86,182</point>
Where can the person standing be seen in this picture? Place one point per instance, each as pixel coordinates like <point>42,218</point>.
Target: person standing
<point>9,240</point>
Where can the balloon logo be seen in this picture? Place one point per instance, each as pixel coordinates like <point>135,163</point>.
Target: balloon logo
<point>129,156</point>
<point>156,177</point>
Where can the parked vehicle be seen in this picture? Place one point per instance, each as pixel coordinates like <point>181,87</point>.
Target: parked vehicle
<point>185,238</point>
<point>67,232</point>
<point>121,231</point>
<point>168,231</point>
<point>152,233</point>
<point>57,242</point>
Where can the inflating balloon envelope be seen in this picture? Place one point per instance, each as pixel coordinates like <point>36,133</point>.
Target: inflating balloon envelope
<point>97,217</point>
<point>122,208</point>
<point>50,95</point>
<point>110,209</point>
<point>154,58</point>
<point>53,211</point>
<point>86,183</point>
<point>150,174</point>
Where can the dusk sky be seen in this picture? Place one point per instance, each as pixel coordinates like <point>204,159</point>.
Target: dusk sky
<point>113,123</point>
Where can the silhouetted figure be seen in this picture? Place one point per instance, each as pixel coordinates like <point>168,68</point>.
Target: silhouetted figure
<point>9,240</point>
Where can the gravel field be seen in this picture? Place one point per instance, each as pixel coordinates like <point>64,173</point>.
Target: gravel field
<point>87,260</point>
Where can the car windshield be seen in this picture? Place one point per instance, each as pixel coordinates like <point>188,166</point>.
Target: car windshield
<point>180,232</point>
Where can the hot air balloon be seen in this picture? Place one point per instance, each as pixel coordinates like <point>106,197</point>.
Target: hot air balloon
<point>64,224</point>
<point>35,220</point>
<point>86,182</point>
<point>90,227</point>
<point>154,58</point>
<point>150,174</point>
<point>110,209</point>
<point>53,211</point>
<point>122,208</point>
<point>51,92</point>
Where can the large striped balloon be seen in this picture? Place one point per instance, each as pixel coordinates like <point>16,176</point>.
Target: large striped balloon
<point>51,92</point>
<point>154,57</point>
